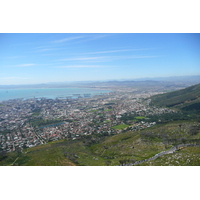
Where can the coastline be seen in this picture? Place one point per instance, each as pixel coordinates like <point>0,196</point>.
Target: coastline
<point>50,93</point>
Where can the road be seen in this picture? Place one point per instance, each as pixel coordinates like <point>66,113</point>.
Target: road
<point>169,151</point>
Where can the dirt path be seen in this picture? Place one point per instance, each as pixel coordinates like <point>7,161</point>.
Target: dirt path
<point>14,161</point>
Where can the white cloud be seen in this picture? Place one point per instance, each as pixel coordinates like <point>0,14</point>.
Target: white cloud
<point>40,47</point>
<point>95,37</point>
<point>25,65</point>
<point>15,57</point>
<point>134,57</point>
<point>115,51</point>
<point>68,39</point>
<point>82,66</point>
<point>20,65</point>
<point>105,58</point>
<point>86,37</point>
<point>11,78</point>
<point>83,58</point>
<point>47,49</point>
<point>49,54</point>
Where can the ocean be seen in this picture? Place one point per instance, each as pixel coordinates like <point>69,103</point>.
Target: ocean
<point>50,93</point>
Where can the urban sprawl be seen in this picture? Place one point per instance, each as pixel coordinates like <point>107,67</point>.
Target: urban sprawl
<point>26,123</point>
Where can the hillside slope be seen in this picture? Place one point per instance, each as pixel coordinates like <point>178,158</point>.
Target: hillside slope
<point>186,99</point>
<point>122,149</point>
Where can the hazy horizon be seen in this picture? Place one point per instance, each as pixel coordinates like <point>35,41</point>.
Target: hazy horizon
<point>195,79</point>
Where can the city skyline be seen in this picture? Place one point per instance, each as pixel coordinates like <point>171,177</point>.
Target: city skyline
<point>61,57</point>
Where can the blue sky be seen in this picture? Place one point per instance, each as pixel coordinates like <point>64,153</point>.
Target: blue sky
<point>41,58</point>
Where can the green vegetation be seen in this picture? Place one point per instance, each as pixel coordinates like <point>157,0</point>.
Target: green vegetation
<point>182,98</point>
<point>186,102</point>
<point>93,111</point>
<point>169,117</point>
<point>58,153</point>
<point>36,112</point>
<point>187,156</point>
<point>121,126</point>
<point>111,103</point>
<point>107,121</point>
<point>139,117</point>
<point>126,147</point>
<point>132,117</point>
<point>107,110</point>
<point>42,122</point>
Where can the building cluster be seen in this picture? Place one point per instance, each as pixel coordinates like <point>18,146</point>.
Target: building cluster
<point>21,120</point>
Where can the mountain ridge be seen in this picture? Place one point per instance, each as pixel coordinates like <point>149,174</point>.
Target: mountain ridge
<point>180,99</point>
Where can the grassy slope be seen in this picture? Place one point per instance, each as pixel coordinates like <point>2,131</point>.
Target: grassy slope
<point>188,156</point>
<point>125,147</point>
<point>113,150</point>
<point>58,153</point>
<point>180,98</point>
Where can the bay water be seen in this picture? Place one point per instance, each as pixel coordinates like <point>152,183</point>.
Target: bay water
<point>50,93</point>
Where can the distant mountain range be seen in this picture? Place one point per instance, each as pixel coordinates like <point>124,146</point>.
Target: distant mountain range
<point>182,81</point>
<point>193,79</point>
